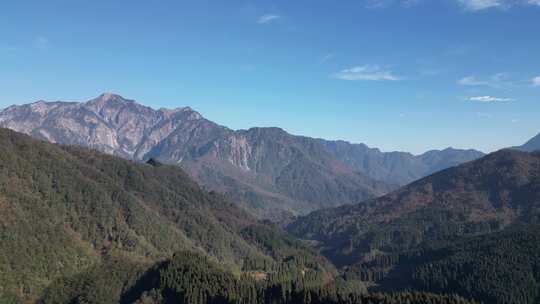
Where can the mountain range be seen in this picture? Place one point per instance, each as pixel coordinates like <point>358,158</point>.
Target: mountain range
<point>485,195</point>
<point>268,171</point>
<point>436,233</point>
<point>397,168</point>
<point>80,226</point>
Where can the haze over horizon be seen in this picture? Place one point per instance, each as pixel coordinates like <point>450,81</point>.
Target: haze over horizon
<point>373,72</point>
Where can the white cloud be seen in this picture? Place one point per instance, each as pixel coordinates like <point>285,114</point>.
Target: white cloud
<point>471,81</point>
<point>366,72</point>
<point>386,3</point>
<point>469,5</point>
<point>267,18</point>
<point>489,99</point>
<point>536,80</point>
<point>377,3</point>
<point>478,5</point>
<point>497,81</point>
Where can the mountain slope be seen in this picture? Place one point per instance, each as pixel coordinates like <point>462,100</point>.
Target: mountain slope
<point>398,168</point>
<point>268,171</point>
<point>293,172</point>
<point>471,230</point>
<point>271,173</point>
<point>191,278</point>
<point>478,197</point>
<point>531,145</point>
<point>500,267</point>
<point>65,209</point>
<point>79,226</point>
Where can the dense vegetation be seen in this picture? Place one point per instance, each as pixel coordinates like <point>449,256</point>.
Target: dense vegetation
<point>479,197</point>
<point>500,267</point>
<point>271,173</point>
<point>454,231</point>
<point>78,226</point>
<point>64,210</point>
<point>190,277</point>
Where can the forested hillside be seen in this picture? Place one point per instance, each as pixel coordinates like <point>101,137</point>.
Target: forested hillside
<point>269,172</point>
<point>478,197</point>
<point>192,278</point>
<point>65,209</point>
<point>79,226</point>
<point>469,230</point>
<point>500,267</point>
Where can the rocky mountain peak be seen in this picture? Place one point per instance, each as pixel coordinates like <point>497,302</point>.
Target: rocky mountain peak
<point>108,96</point>
<point>279,174</point>
<point>191,114</point>
<point>108,100</point>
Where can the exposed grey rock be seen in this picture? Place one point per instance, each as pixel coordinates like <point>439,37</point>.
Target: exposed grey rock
<point>270,172</point>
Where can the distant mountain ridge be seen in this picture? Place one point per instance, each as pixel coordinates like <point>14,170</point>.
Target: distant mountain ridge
<point>470,229</point>
<point>270,172</point>
<point>478,197</point>
<point>397,168</point>
<point>531,145</point>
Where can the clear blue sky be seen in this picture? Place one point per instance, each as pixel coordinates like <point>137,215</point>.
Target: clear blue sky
<point>399,75</point>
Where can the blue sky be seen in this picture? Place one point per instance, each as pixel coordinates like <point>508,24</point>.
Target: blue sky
<point>399,75</point>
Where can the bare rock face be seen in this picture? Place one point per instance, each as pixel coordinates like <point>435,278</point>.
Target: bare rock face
<point>108,123</point>
<point>270,172</point>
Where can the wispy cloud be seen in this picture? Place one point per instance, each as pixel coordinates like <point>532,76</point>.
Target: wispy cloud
<point>377,3</point>
<point>328,57</point>
<point>42,43</point>
<point>472,81</point>
<point>489,99</point>
<point>468,5</point>
<point>497,81</point>
<point>478,5</point>
<point>267,18</point>
<point>385,3</point>
<point>536,80</point>
<point>366,72</point>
